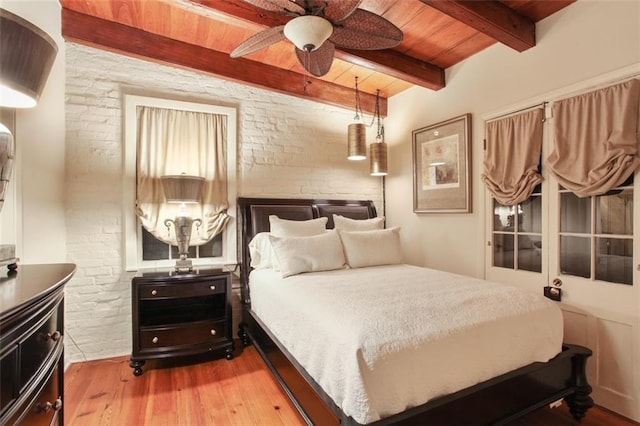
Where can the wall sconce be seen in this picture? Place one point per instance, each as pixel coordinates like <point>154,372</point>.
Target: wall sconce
<point>357,133</point>
<point>378,149</point>
<point>183,189</point>
<point>26,56</point>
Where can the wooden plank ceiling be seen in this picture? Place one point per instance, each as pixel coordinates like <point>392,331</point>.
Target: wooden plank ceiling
<point>200,34</point>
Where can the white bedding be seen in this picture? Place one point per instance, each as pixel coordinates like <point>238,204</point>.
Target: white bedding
<point>383,339</point>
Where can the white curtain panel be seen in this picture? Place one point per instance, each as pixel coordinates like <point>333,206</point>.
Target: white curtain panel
<point>173,142</point>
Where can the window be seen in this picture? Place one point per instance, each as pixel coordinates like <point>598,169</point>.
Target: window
<point>517,234</point>
<point>142,249</point>
<point>596,235</point>
<point>154,249</point>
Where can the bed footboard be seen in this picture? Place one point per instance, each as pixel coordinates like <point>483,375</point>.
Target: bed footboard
<point>497,401</point>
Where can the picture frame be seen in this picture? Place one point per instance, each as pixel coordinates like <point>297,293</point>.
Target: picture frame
<point>442,167</point>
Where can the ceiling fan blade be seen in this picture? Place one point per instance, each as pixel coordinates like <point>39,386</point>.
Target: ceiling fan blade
<point>317,62</point>
<point>260,40</point>
<point>282,6</point>
<point>339,10</point>
<point>364,30</point>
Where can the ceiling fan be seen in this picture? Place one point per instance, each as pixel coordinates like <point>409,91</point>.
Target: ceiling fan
<point>318,27</point>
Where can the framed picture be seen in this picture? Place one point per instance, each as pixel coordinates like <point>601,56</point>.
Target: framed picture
<point>442,167</point>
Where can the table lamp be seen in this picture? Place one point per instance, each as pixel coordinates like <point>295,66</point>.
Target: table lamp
<point>182,189</point>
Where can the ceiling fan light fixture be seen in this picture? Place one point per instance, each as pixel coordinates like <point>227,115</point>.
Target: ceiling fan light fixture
<point>308,32</point>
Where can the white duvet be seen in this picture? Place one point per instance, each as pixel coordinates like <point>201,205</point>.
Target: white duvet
<point>383,339</point>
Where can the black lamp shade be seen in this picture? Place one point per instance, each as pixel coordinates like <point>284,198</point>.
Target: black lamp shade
<point>26,56</point>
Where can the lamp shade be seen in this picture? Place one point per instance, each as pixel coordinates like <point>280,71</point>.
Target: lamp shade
<point>26,56</point>
<point>378,151</point>
<point>308,32</point>
<point>357,141</point>
<point>182,188</point>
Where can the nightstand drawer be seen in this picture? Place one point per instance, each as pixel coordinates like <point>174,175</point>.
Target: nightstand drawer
<point>174,290</point>
<point>184,334</point>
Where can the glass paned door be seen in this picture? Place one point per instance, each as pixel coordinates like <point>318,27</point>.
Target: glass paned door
<point>517,234</point>
<point>596,235</point>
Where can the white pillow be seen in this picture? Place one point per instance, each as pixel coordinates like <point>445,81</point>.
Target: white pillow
<point>348,224</point>
<point>296,228</point>
<point>261,251</point>
<point>372,248</point>
<point>308,254</point>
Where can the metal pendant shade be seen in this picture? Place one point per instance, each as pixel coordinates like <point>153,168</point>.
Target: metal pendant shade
<point>357,141</point>
<point>357,132</point>
<point>26,57</point>
<point>378,154</point>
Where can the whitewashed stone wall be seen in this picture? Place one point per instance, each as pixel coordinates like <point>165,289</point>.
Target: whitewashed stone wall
<point>287,147</point>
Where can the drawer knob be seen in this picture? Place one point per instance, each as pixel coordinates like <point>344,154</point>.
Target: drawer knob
<point>213,332</point>
<point>213,287</point>
<point>154,340</point>
<point>55,336</point>
<point>154,292</point>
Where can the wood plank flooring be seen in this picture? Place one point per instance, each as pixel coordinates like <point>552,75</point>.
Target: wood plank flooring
<point>220,392</point>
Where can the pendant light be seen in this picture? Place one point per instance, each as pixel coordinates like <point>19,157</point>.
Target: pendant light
<point>378,149</point>
<point>357,133</point>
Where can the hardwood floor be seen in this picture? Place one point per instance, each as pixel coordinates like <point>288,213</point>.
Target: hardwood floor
<point>220,392</point>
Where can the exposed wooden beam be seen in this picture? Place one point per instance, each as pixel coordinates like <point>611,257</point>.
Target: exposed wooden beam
<point>389,62</point>
<point>493,19</point>
<point>403,67</point>
<point>112,36</point>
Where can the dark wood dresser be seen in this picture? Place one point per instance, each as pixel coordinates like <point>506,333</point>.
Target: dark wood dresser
<point>31,344</point>
<point>178,314</point>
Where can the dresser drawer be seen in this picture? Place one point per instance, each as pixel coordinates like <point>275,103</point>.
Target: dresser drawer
<point>184,334</point>
<point>37,347</point>
<point>42,407</point>
<point>8,378</point>
<point>202,288</point>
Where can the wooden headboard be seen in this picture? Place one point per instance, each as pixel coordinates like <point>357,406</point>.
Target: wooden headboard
<point>254,215</point>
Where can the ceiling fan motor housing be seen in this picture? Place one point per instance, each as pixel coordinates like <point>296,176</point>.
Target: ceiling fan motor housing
<point>308,32</point>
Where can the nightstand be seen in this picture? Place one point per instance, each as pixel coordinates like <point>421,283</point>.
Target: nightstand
<point>180,314</point>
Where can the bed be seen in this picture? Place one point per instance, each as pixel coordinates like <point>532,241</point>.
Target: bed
<point>495,399</point>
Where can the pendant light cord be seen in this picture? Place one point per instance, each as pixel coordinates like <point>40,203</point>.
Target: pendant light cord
<point>306,77</point>
<point>358,104</point>
<point>376,114</point>
<point>380,135</point>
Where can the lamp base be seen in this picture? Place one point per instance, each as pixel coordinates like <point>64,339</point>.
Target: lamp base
<point>8,257</point>
<point>183,265</point>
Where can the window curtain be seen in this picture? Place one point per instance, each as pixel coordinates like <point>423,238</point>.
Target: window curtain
<point>596,139</point>
<point>512,158</point>
<point>173,142</point>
